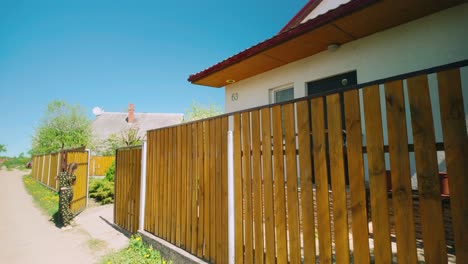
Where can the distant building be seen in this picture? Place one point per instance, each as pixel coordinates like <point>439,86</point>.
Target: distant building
<point>107,124</point>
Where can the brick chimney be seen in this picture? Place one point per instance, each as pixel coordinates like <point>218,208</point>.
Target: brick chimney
<point>131,113</point>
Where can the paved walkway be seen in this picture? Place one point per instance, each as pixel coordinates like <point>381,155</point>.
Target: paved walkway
<point>27,235</point>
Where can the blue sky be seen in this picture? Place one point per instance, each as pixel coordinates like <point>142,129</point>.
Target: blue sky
<point>111,53</point>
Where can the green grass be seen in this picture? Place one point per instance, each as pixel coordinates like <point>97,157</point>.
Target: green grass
<point>136,252</point>
<point>42,196</point>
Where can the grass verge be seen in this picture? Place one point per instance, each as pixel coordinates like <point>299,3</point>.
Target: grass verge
<point>136,252</point>
<point>42,196</point>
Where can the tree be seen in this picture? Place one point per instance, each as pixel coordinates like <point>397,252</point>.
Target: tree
<point>63,126</point>
<point>198,111</point>
<point>2,148</point>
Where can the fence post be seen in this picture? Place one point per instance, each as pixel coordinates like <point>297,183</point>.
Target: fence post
<point>87,177</point>
<point>43,165</point>
<point>58,171</point>
<point>48,173</point>
<point>231,227</point>
<point>142,187</point>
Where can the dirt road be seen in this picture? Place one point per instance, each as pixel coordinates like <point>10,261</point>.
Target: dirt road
<point>28,237</point>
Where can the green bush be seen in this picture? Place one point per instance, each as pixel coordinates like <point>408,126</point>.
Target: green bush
<point>111,172</point>
<point>102,191</point>
<point>16,162</point>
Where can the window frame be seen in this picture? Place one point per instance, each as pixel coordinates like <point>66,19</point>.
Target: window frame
<point>273,91</point>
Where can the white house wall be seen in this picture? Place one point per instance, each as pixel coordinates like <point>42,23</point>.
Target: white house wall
<point>431,41</point>
<point>428,42</point>
<point>323,8</point>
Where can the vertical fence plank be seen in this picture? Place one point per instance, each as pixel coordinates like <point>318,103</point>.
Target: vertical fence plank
<point>218,190</point>
<point>246,173</point>
<point>166,186</point>
<point>427,170</point>
<point>212,190</point>
<point>456,154</point>
<point>190,176</point>
<point>158,196</point>
<point>268,186</point>
<point>224,191</point>
<point>116,191</point>
<point>173,176</point>
<point>184,154</point>
<point>170,184</point>
<point>238,211</point>
<point>155,183</point>
<point>149,168</point>
<point>137,182</point>
<point>377,175</point>
<point>291,175</point>
<point>201,188</point>
<point>340,209</point>
<point>279,192</point>
<point>160,183</point>
<point>307,195</point>
<point>178,184</point>
<point>171,193</point>
<point>194,206</point>
<point>257,187</point>
<point>357,186</point>
<point>321,180</point>
<point>400,173</point>
<point>150,223</point>
<point>206,188</point>
<point>153,186</point>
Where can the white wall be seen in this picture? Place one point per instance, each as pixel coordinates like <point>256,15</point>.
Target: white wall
<point>324,7</point>
<point>428,42</point>
<point>431,41</point>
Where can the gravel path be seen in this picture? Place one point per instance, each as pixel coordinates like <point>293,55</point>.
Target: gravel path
<point>27,235</point>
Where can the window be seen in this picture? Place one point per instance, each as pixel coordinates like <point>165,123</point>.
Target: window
<point>282,95</point>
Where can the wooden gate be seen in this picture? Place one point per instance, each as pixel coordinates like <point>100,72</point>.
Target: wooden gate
<point>47,166</point>
<point>80,189</point>
<point>127,187</point>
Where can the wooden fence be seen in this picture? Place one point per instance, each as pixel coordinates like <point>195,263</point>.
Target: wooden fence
<point>46,167</point>
<point>127,188</point>
<point>186,197</point>
<point>301,190</point>
<point>289,157</point>
<point>100,164</point>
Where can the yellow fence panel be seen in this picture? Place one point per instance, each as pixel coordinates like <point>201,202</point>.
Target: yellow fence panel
<point>127,188</point>
<point>100,164</point>
<point>80,189</point>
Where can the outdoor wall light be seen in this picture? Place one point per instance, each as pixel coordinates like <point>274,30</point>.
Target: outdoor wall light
<point>229,81</point>
<point>333,47</point>
<point>234,97</point>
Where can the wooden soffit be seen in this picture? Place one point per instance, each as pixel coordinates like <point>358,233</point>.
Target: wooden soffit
<point>312,37</point>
